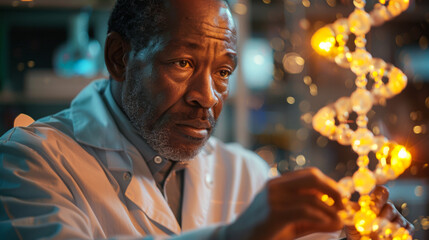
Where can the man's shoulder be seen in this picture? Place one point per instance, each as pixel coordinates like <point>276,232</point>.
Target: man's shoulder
<point>47,144</point>
<point>56,126</point>
<point>37,134</point>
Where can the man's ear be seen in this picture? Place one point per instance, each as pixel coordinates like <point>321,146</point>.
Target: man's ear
<point>116,52</point>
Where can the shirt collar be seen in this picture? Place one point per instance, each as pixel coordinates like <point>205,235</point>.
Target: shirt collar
<point>92,121</point>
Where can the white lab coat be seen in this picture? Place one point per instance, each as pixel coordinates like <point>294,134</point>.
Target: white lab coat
<point>70,176</point>
<point>58,180</point>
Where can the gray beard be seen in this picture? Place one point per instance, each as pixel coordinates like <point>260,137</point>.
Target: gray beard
<point>140,112</point>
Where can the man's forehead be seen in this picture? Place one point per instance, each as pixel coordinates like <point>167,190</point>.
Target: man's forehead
<point>212,15</point>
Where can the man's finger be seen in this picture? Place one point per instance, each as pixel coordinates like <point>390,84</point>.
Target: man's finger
<point>310,179</point>
<point>309,220</point>
<point>304,200</point>
<point>379,196</point>
<point>410,228</point>
<point>389,212</point>
<point>401,221</point>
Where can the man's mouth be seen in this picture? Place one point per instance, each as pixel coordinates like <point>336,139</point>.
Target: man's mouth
<point>196,128</point>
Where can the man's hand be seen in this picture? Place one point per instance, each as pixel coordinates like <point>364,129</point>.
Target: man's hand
<point>383,209</point>
<point>290,206</point>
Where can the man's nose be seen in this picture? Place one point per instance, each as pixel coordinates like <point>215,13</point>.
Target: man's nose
<point>201,91</point>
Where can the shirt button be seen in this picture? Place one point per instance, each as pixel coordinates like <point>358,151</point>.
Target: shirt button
<point>209,180</point>
<point>127,176</point>
<point>157,159</point>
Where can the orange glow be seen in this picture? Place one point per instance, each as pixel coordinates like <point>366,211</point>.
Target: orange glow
<point>363,220</point>
<point>400,158</point>
<point>323,41</point>
<point>327,200</point>
<point>325,46</point>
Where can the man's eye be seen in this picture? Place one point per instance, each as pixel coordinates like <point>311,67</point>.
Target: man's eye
<point>183,63</point>
<point>224,73</point>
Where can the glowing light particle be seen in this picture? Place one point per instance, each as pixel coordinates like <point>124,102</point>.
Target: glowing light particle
<point>240,8</point>
<point>362,161</point>
<point>347,214</point>
<point>31,64</point>
<point>313,89</point>
<point>323,41</point>
<point>290,100</point>
<point>327,200</point>
<point>361,100</point>
<point>423,42</point>
<point>418,191</point>
<point>324,121</point>
<point>300,160</point>
<point>293,63</point>
<point>362,141</point>
<point>363,220</point>
<point>360,22</point>
<point>364,180</point>
<point>307,80</point>
<point>344,134</point>
<point>346,187</point>
<point>306,3</point>
<point>361,62</point>
<point>417,129</point>
<point>307,118</point>
<point>397,81</point>
<point>343,107</point>
<point>331,3</point>
<point>425,223</point>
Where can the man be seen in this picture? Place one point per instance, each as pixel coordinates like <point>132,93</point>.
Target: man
<point>132,157</point>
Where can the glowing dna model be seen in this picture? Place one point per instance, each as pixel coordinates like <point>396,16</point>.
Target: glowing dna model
<point>330,41</point>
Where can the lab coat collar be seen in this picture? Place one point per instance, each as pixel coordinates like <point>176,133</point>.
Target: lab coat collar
<point>88,111</point>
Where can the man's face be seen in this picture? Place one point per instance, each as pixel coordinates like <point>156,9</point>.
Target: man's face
<point>175,88</point>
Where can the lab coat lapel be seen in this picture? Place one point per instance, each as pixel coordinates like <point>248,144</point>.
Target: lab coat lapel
<point>197,191</point>
<point>142,191</point>
<point>88,111</point>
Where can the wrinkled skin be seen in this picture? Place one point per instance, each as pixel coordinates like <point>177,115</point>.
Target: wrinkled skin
<point>173,92</point>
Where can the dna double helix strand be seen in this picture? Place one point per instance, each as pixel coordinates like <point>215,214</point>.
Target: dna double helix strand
<point>332,121</point>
